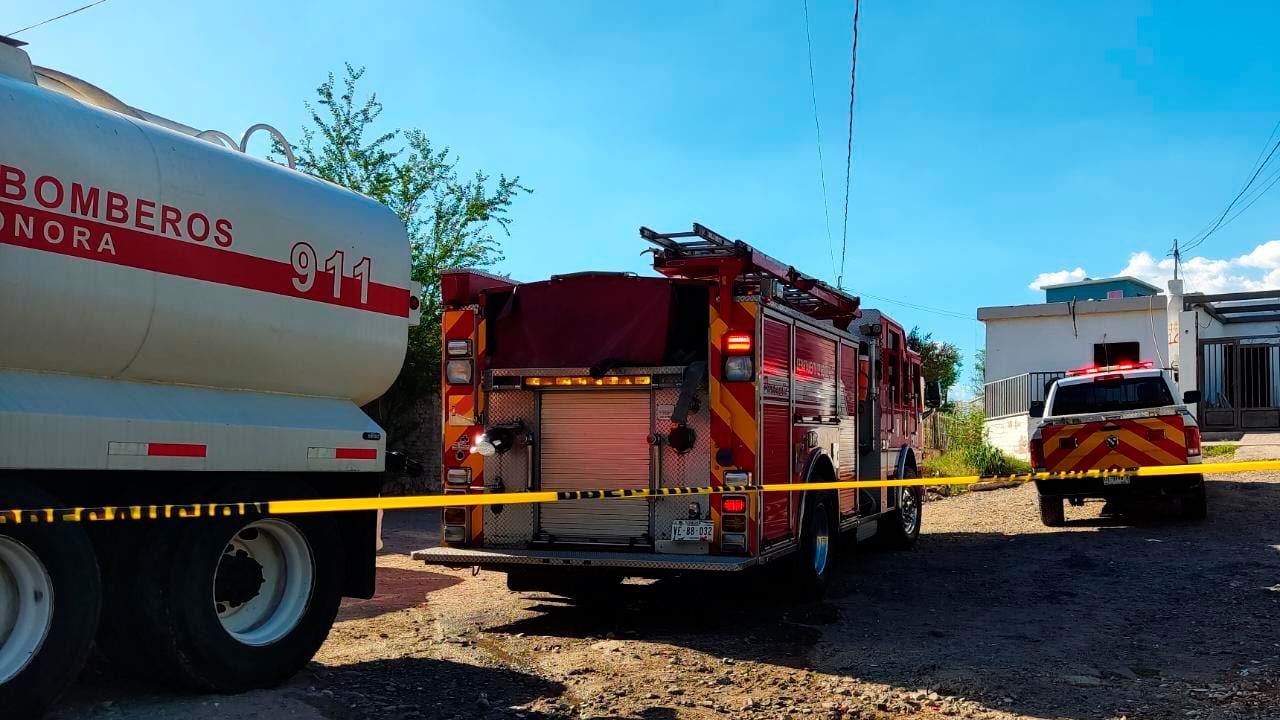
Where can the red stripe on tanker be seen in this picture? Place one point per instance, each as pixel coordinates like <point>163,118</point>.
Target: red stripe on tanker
<point>176,450</point>
<point>88,223</point>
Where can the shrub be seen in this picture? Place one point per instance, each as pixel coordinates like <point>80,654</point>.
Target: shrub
<point>968,448</point>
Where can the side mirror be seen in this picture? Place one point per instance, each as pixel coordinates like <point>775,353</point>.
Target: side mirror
<point>933,394</point>
<point>1191,396</point>
<point>1036,409</point>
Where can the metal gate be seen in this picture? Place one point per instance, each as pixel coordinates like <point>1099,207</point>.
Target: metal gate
<point>595,440</point>
<point>1239,383</point>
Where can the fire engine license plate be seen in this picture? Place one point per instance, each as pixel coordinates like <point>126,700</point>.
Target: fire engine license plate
<point>692,530</point>
<point>1115,481</point>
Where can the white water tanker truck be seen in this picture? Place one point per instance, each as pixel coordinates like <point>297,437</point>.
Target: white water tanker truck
<point>180,324</point>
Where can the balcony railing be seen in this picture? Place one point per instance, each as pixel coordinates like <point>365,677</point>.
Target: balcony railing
<point>1014,395</point>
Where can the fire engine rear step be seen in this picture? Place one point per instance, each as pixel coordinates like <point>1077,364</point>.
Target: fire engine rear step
<point>499,559</point>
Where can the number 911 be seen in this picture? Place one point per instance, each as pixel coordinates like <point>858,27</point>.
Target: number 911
<point>305,264</point>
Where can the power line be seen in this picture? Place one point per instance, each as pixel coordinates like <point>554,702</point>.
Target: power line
<point>817,128</point>
<point>1256,169</point>
<point>1273,178</point>
<point>922,308</point>
<point>59,17</point>
<point>848,160</point>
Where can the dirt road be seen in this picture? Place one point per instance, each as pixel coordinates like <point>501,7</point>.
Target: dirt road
<point>992,616</point>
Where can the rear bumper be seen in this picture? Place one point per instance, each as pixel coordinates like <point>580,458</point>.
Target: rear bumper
<point>641,563</point>
<point>1096,487</point>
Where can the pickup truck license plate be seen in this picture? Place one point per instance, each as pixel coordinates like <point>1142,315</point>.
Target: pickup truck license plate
<point>1115,481</point>
<point>692,530</point>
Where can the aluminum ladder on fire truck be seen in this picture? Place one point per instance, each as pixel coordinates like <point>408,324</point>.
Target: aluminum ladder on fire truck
<point>705,254</point>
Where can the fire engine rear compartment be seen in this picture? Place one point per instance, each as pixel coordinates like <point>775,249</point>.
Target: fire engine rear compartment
<point>574,330</point>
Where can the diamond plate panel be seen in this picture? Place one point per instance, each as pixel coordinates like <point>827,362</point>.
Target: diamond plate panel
<point>691,469</point>
<point>510,526</point>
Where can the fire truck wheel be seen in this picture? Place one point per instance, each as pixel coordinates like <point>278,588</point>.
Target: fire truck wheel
<point>1195,504</point>
<point>243,603</point>
<point>900,528</point>
<point>50,595</point>
<point>812,566</point>
<point>1051,511</point>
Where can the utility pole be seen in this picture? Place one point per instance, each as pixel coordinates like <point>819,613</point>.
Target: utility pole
<point>1177,258</point>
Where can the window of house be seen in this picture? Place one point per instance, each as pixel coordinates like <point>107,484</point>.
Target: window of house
<point>1105,354</point>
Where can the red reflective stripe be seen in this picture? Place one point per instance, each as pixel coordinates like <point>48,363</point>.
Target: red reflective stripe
<point>175,450</point>
<point>356,454</point>
<point>157,253</point>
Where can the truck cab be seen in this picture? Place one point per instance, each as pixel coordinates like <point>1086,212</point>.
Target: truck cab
<point>1119,417</point>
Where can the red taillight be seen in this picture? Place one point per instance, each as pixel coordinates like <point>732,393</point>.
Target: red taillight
<point>737,343</point>
<point>1193,440</point>
<point>1109,378</point>
<point>1036,448</point>
<point>734,504</point>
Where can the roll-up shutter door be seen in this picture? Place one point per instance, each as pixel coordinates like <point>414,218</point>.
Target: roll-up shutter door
<point>593,440</point>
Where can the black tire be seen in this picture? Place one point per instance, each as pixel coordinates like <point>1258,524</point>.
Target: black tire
<point>177,615</point>
<point>119,550</point>
<point>72,570</point>
<point>1052,514</point>
<point>812,565</point>
<point>1195,504</point>
<point>900,528</point>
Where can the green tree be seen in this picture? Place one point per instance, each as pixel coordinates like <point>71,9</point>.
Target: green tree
<point>451,220</point>
<point>939,360</point>
<point>978,381</point>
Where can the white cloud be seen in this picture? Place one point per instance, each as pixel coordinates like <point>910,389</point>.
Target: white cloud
<point>1201,274</point>
<point>1057,277</point>
<point>1265,256</point>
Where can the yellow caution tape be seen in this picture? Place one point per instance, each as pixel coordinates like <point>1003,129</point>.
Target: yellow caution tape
<point>134,513</point>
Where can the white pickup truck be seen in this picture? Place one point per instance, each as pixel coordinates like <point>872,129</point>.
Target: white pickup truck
<point>1116,417</point>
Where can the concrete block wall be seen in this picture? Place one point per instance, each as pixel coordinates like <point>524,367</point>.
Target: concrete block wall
<point>422,445</point>
<point>1011,434</point>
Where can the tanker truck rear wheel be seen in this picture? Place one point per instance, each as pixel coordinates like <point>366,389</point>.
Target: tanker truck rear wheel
<point>50,594</point>
<point>245,603</point>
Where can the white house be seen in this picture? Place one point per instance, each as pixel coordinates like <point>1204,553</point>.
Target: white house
<point>1227,346</point>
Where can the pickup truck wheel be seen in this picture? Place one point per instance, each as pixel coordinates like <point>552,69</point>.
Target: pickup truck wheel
<point>1195,504</point>
<point>1052,513</point>
<point>812,566</point>
<point>50,595</point>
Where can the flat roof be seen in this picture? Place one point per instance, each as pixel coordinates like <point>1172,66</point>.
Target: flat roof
<point>1098,281</point>
<point>1141,303</point>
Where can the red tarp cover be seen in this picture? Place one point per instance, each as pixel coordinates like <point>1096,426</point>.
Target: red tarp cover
<point>579,321</point>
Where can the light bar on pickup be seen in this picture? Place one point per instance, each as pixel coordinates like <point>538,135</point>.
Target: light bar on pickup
<point>1094,369</point>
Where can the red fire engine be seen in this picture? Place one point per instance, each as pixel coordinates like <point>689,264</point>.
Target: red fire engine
<point>731,369</point>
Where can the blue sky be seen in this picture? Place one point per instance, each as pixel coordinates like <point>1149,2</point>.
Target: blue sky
<point>993,142</point>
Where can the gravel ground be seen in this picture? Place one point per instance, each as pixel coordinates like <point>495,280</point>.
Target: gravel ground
<point>991,616</point>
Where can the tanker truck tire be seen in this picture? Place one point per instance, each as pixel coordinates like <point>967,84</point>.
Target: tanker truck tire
<point>119,552</point>
<point>50,596</point>
<point>243,603</point>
